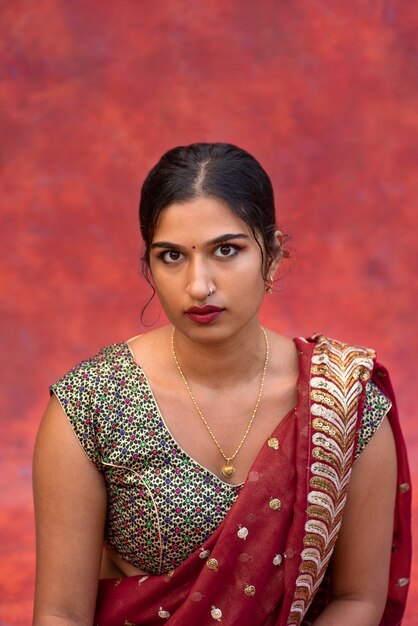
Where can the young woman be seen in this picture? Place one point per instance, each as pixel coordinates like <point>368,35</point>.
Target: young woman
<point>226,473</point>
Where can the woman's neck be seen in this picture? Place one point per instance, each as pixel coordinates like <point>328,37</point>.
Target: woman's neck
<point>221,363</point>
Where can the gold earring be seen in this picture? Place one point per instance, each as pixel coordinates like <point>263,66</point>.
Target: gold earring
<point>269,284</point>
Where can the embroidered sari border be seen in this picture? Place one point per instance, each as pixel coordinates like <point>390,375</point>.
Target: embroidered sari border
<point>338,374</point>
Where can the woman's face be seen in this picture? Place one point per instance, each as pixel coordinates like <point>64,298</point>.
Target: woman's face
<point>198,247</point>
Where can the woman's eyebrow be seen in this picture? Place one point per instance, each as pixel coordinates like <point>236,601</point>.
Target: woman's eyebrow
<point>227,237</point>
<point>221,239</point>
<point>166,244</point>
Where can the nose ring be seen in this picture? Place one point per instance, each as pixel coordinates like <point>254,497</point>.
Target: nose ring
<point>210,291</point>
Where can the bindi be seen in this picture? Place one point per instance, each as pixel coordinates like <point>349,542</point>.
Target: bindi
<point>193,247</point>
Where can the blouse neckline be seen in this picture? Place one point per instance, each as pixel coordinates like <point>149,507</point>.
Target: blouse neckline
<point>279,423</point>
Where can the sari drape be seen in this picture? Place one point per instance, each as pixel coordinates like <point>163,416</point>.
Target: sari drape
<point>266,563</point>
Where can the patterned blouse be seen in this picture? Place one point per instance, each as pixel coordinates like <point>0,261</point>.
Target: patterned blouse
<point>162,504</point>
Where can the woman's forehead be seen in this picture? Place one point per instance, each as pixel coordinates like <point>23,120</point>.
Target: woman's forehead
<point>205,218</point>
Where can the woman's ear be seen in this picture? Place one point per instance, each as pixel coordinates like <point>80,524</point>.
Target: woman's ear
<point>278,256</point>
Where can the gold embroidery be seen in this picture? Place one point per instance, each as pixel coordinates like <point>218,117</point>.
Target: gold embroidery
<point>322,440</point>
<point>337,370</point>
<point>273,443</point>
<point>324,456</point>
<point>321,397</point>
<point>317,482</point>
<point>320,468</point>
<point>249,590</point>
<point>301,594</point>
<point>362,373</point>
<point>308,567</point>
<point>313,540</point>
<point>316,528</point>
<point>319,369</point>
<point>317,511</point>
<point>332,415</point>
<point>212,564</point>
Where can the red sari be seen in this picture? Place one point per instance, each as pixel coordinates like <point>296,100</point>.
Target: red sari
<point>266,563</point>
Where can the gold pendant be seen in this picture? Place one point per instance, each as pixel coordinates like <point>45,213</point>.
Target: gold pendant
<point>228,470</point>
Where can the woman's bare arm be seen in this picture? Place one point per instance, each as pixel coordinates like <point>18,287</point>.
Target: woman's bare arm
<point>70,509</point>
<point>360,564</point>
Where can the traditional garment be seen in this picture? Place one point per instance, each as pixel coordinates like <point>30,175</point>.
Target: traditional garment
<point>265,562</point>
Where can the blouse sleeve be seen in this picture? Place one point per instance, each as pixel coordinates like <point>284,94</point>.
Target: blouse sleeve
<point>76,394</point>
<point>376,407</point>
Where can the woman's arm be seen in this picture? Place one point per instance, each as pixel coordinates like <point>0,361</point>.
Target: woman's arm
<point>70,509</point>
<point>361,559</point>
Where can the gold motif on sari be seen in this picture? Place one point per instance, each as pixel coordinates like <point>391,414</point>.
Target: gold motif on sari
<point>317,511</point>
<point>317,482</point>
<point>324,456</point>
<point>273,443</point>
<point>212,564</point>
<point>249,590</point>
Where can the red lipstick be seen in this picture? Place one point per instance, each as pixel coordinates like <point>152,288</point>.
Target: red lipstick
<point>204,314</point>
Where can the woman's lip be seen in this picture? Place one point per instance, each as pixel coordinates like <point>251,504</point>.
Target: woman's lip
<point>204,310</point>
<point>204,318</point>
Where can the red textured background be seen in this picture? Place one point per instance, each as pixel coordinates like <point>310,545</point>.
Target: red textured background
<point>324,93</point>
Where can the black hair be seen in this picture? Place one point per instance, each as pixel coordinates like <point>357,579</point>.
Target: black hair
<point>217,170</point>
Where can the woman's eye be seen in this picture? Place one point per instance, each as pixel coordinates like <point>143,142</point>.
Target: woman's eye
<point>226,250</point>
<point>171,256</point>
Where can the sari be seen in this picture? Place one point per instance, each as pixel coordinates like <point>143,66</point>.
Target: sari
<point>266,563</point>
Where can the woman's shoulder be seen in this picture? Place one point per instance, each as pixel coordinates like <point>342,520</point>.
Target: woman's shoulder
<point>339,354</point>
<point>105,359</point>
<point>326,342</point>
<point>151,350</point>
<point>95,393</point>
<point>355,363</point>
<point>348,360</point>
<point>111,363</point>
<point>376,406</point>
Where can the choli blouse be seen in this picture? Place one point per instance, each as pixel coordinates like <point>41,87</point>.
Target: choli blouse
<point>161,504</point>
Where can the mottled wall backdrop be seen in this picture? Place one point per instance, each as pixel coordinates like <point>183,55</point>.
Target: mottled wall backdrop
<point>323,93</point>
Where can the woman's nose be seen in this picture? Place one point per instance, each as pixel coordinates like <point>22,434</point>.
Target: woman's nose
<point>198,280</point>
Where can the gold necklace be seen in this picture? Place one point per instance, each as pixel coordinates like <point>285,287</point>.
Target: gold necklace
<point>228,469</point>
